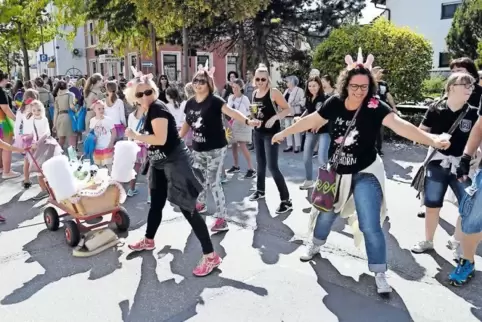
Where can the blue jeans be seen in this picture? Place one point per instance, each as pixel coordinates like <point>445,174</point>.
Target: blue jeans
<point>437,181</point>
<point>267,155</point>
<point>323,146</point>
<point>368,196</point>
<point>470,207</point>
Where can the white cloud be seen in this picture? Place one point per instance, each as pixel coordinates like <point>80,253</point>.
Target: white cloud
<point>369,13</point>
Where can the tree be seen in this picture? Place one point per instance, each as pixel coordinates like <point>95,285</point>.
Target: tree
<point>466,31</point>
<point>406,55</point>
<point>479,52</point>
<point>9,53</point>
<point>299,65</point>
<point>20,20</point>
<point>277,32</point>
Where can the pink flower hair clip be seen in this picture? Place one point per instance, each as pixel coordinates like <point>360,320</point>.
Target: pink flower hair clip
<point>350,64</point>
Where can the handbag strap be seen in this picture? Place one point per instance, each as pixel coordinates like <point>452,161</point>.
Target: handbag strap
<point>450,131</point>
<point>35,130</point>
<point>141,122</point>
<point>336,155</point>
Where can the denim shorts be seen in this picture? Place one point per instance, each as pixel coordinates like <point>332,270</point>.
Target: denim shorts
<point>470,207</point>
<point>437,181</point>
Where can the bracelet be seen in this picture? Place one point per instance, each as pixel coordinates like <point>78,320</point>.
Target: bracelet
<point>246,121</point>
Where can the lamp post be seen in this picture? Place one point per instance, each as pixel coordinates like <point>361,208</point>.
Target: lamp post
<point>44,17</point>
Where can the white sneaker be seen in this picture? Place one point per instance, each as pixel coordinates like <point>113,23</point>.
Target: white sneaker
<point>422,247</point>
<point>382,285</point>
<point>308,184</point>
<point>311,252</point>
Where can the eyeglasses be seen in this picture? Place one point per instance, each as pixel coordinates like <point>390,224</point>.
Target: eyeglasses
<point>262,80</point>
<point>467,86</point>
<point>199,81</point>
<point>356,87</point>
<point>147,92</point>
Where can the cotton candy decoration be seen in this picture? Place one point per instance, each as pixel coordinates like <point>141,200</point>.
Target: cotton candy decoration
<point>125,155</point>
<point>60,177</point>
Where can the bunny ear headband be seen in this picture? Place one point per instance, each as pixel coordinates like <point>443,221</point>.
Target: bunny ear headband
<point>350,64</point>
<point>205,68</point>
<point>139,77</point>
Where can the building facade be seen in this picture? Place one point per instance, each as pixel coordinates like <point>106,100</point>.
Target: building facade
<point>430,18</point>
<point>169,60</point>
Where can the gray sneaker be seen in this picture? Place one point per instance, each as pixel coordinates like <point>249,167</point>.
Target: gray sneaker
<point>422,247</point>
<point>311,252</point>
<point>382,285</point>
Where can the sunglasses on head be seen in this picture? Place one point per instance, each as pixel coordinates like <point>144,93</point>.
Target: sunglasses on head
<point>260,79</point>
<point>147,92</point>
<point>199,81</point>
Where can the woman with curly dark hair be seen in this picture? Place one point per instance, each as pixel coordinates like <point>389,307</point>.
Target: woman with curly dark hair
<point>357,172</point>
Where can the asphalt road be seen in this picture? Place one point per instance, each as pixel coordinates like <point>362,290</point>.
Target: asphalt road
<point>261,278</point>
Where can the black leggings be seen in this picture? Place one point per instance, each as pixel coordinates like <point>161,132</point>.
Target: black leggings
<point>154,218</point>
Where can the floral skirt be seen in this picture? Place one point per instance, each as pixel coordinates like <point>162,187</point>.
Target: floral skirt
<point>103,156</point>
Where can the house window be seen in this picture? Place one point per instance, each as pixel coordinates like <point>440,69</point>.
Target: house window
<point>201,60</point>
<point>131,61</point>
<point>231,64</point>
<point>91,34</point>
<point>122,66</point>
<point>102,69</point>
<point>448,10</point>
<point>444,60</point>
<point>93,67</point>
<point>169,66</point>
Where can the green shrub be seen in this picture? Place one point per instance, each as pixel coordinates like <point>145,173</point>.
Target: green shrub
<point>415,119</point>
<point>433,87</point>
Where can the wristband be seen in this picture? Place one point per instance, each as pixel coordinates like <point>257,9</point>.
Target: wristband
<point>466,156</point>
<point>246,121</point>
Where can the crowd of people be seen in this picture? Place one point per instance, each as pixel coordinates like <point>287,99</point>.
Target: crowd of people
<point>184,139</point>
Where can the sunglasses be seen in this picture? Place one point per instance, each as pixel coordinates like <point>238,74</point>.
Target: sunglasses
<point>147,92</point>
<point>199,81</point>
<point>260,80</point>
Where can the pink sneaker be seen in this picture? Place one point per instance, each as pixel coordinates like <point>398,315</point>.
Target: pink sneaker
<point>143,244</point>
<point>207,265</point>
<point>201,208</point>
<point>220,225</point>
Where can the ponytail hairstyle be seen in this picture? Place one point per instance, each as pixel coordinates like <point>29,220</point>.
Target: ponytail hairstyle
<point>29,96</point>
<point>92,80</point>
<point>173,94</point>
<point>112,88</point>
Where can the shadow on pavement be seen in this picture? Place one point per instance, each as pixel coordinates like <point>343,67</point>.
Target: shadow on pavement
<point>362,304</point>
<point>170,300</point>
<point>403,153</point>
<point>56,258</point>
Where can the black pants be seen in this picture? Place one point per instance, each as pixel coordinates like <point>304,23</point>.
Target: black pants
<point>154,218</point>
<point>267,155</point>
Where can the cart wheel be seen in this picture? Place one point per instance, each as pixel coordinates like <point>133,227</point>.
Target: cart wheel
<point>122,220</point>
<point>51,218</point>
<point>72,233</point>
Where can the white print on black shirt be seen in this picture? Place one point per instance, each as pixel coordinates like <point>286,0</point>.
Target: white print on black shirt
<point>465,125</point>
<point>197,126</point>
<point>156,155</point>
<point>346,156</point>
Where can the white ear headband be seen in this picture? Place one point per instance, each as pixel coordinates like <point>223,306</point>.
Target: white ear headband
<point>350,64</point>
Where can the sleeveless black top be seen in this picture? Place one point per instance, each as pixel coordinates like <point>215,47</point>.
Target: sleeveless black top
<point>266,110</point>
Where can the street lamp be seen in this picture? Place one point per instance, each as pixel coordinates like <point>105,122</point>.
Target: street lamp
<point>44,17</point>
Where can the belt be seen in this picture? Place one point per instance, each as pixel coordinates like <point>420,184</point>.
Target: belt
<point>63,112</point>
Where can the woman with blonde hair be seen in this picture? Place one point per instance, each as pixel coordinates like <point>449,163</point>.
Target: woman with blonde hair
<point>172,176</point>
<point>92,93</point>
<point>266,100</point>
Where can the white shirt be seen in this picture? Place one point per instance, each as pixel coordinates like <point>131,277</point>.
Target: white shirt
<point>116,112</point>
<point>102,129</point>
<point>178,113</point>
<point>41,125</point>
<point>133,122</point>
<point>239,103</point>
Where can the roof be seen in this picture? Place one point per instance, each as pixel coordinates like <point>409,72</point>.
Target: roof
<point>382,2</point>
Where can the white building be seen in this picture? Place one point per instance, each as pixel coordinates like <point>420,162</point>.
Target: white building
<point>62,58</point>
<point>430,18</point>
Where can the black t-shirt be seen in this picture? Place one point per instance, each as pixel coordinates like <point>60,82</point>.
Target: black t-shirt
<point>4,98</point>
<point>162,96</point>
<point>228,90</point>
<point>359,150</point>
<point>160,152</point>
<point>440,119</point>
<point>206,121</point>
<point>476,98</point>
<point>315,105</point>
<point>383,90</point>
<point>266,110</point>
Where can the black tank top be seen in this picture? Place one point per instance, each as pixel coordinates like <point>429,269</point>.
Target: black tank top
<point>266,110</point>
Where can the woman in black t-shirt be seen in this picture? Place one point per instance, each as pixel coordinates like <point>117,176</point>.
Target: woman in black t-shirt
<point>441,171</point>
<point>315,97</point>
<point>171,172</point>
<point>264,108</point>
<point>163,84</point>
<point>204,115</point>
<point>360,174</point>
